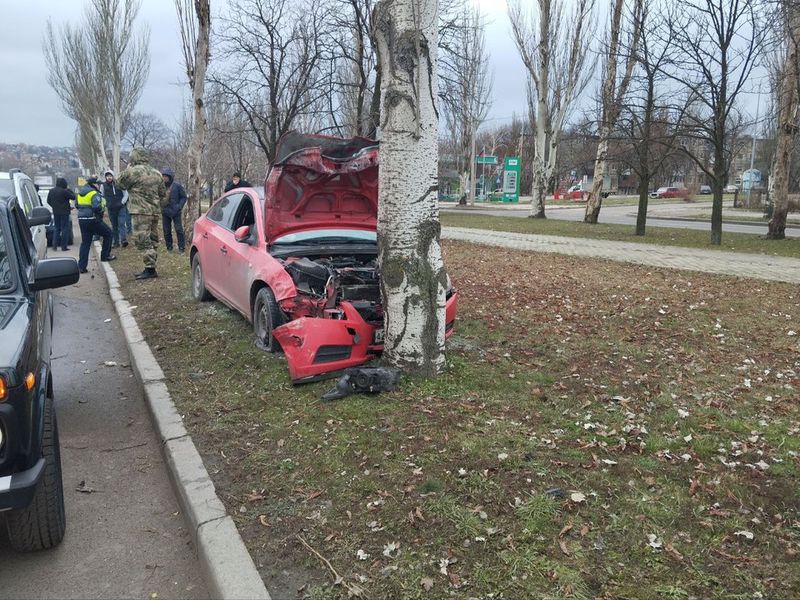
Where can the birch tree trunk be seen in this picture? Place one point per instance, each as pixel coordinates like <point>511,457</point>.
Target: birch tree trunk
<point>196,56</point>
<point>413,279</point>
<point>787,128</point>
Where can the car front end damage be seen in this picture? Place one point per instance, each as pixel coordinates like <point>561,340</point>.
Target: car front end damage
<point>336,318</point>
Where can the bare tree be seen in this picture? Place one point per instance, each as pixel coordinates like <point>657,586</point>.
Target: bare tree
<point>717,44</point>
<point>98,69</point>
<point>788,99</point>
<point>466,85</point>
<point>554,46</point>
<point>413,277</point>
<point>147,131</point>
<point>194,20</point>
<point>620,55</point>
<point>74,74</point>
<point>274,52</point>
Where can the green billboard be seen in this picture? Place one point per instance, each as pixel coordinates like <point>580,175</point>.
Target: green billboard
<point>511,176</point>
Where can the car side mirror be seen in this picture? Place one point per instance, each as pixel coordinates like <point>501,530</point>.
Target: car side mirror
<point>242,234</point>
<point>39,216</point>
<point>54,273</point>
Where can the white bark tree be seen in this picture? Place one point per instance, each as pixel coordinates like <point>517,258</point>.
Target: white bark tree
<point>413,276</point>
<point>554,45</point>
<point>788,100</point>
<point>98,69</point>
<point>620,54</point>
<point>194,19</point>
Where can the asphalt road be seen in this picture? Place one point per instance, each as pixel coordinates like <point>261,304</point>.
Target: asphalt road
<point>626,215</point>
<point>127,538</point>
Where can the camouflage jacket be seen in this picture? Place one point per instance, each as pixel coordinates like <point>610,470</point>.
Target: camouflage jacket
<point>146,192</point>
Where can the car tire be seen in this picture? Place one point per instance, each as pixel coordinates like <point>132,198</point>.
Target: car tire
<point>42,523</point>
<point>266,317</point>
<point>199,291</point>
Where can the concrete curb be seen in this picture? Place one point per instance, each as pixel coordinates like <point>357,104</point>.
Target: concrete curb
<point>228,568</point>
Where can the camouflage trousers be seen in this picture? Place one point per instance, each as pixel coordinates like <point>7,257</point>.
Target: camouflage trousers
<point>145,237</point>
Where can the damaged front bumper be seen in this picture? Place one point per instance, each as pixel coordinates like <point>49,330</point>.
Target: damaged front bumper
<point>317,347</point>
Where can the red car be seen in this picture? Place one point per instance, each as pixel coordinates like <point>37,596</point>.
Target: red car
<point>300,262</point>
<point>573,193</point>
<point>670,192</point>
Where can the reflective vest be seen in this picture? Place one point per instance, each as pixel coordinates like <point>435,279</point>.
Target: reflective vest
<point>86,200</point>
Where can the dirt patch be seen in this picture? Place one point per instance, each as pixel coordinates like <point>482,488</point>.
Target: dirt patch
<point>601,430</point>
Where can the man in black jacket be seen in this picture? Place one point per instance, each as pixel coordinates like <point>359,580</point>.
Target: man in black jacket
<point>236,182</point>
<point>171,213</point>
<point>59,200</point>
<point>113,196</point>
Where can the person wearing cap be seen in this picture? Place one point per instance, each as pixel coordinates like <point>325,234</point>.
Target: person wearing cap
<point>236,182</point>
<point>171,213</point>
<point>113,196</point>
<point>146,199</point>
<point>91,206</point>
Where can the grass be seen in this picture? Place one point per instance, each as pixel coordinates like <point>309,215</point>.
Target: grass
<point>666,236</point>
<point>579,444</point>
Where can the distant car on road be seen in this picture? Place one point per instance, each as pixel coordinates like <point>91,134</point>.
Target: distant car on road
<point>670,192</point>
<point>731,189</point>
<point>16,183</point>
<point>31,489</point>
<point>573,193</point>
<point>705,189</point>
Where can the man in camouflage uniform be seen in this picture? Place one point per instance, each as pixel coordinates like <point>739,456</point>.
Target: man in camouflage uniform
<point>146,198</point>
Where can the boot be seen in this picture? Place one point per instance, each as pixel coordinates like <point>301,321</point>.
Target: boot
<point>148,273</point>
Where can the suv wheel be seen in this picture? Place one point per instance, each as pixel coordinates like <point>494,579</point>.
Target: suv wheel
<point>41,524</point>
<point>199,291</point>
<point>266,317</point>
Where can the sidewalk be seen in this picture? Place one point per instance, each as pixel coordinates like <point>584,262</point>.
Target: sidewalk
<point>757,266</point>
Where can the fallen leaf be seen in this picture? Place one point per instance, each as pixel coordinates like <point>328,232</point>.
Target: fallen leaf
<point>577,497</point>
<point>361,555</point>
<point>563,545</point>
<point>565,529</point>
<point>263,520</point>
<point>748,535</point>
<point>427,583</point>
<point>653,541</point>
<point>391,550</point>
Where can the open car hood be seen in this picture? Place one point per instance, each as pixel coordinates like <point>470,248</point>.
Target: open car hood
<point>320,182</point>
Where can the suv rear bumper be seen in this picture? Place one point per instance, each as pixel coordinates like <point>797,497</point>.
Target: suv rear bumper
<point>16,491</point>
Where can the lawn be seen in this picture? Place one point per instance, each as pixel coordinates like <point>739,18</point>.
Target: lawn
<point>666,236</point>
<point>601,430</point>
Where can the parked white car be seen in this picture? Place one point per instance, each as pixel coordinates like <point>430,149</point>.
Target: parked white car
<point>731,189</point>
<point>21,186</point>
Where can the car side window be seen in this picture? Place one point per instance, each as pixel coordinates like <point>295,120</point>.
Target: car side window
<point>245,215</point>
<point>21,234</point>
<point>33,195</point>
<point>224,211</point>
<point>6,277</point>
<point>24,199</point>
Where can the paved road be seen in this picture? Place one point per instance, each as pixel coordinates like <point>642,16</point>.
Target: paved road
<point>626,215</point>
<point>127,539</point>
<point>773,268</point>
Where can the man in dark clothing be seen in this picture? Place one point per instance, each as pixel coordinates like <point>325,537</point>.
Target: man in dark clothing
<point>58,198</point>
<point>236,182</point>
<point>171,213</point>
<point>90,217</point>
<point>113,195</point>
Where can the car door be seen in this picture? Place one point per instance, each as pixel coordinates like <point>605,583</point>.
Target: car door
<point>30,200</point>
<point>239,258</point>
<point>217,240</point>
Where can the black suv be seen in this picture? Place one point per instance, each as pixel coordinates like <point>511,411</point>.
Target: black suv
<point>31,493</point>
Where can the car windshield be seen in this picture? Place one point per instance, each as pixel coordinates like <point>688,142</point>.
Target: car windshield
<point>6,280</point>
<point>328,236</point>
<point>6,187</point>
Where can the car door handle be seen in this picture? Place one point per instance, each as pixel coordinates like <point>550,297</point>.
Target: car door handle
<point>224,250</point>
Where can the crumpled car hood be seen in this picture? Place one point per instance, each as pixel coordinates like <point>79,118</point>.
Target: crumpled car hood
<point>319,182</point>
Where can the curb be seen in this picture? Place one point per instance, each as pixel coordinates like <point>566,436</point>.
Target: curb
<point>228,568</point>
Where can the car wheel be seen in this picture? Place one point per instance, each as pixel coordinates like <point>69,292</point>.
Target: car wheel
<point>41,524</point>
<point>199,291</point>
<point>266,317</point>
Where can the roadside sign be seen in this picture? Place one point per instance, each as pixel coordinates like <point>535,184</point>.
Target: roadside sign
<point>486,160</point>
<point>511,175</point>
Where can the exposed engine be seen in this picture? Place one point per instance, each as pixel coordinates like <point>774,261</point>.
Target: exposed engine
<point>331,279</point>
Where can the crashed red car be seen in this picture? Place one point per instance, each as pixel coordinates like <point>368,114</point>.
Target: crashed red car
<point>300,261</point>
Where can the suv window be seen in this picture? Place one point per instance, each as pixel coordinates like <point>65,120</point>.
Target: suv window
<point>224,210</point>
<point>33,195</point>
<point>21,233</point>
<point>6,277</point>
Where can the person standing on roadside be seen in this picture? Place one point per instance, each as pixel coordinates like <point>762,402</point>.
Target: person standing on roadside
<point>59,199</point>
<point>147,197</point>
<point>236,182</point>
<point>91,206</point>
<point>113,195</point>
<point>176,197</point>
